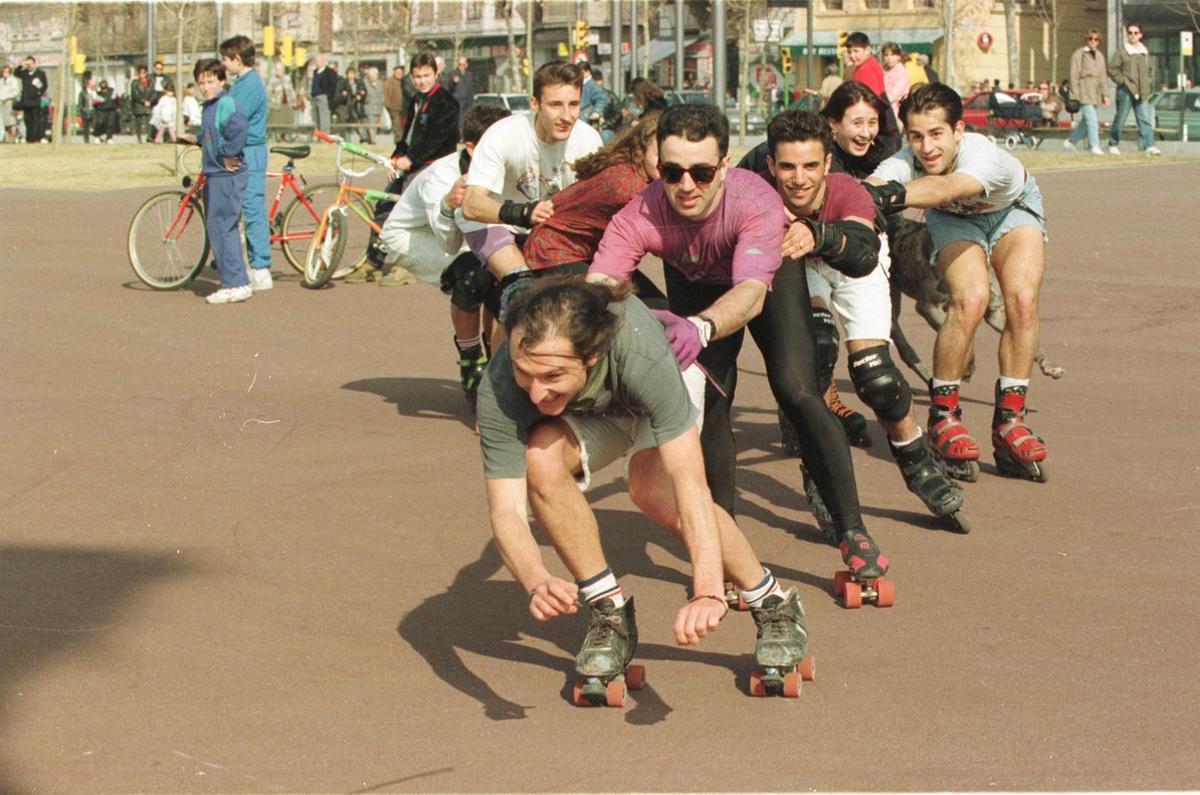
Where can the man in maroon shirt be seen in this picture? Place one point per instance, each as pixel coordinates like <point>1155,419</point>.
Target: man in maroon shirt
<point>818,203</point>
<point>719,232</point>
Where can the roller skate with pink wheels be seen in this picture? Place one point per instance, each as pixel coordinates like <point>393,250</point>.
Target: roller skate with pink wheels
<point>603,664</point>
<point>781,650</point>
<point>864,581</point>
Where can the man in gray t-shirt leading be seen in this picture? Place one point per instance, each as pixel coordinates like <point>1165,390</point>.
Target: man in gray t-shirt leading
<point>585,377</point>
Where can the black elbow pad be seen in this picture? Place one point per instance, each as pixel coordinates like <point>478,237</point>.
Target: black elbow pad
<point>860,254</point>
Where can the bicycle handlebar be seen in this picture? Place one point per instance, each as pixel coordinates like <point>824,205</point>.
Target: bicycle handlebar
<point>354,149</point>
<point>324,136</point>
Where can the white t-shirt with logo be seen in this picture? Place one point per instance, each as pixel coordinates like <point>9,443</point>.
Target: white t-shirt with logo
<point>514,164</point>
<point>1001,174</point>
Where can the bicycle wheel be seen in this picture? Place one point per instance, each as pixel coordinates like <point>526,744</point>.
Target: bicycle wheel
<point>300,222</point>
<point>167,241</point>
<point>325,249</point>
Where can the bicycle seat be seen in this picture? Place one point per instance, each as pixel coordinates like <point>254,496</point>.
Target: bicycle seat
<point>292,152</point>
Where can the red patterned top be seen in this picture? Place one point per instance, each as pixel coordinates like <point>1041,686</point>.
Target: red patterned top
<point>581,214</point>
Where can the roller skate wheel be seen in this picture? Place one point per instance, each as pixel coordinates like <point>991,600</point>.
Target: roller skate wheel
<point>808,668</point>
<point>791,684</point>
<point>972,472</point>
<point>615,693</point>
<point>840,579</point>
<point>577,695</point>
<point>886,593</point>
<point>1039,471</point>
<point>852,596</point>
<point>635,677</point>
<point>958,521</point>
<point>757,688</point>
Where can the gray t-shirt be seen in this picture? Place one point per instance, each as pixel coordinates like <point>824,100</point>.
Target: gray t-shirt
<point>637,376</point>
<point>1001,174</point>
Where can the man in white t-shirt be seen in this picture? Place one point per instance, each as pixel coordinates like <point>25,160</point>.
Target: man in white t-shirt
<point>981,207</point>
<point>421,238</point>
<point>519,165</point>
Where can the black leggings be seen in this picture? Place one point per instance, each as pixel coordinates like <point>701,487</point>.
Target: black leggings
<point>784,333</point>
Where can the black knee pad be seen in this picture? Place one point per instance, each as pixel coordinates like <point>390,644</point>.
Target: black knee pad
<point>879,383</point>
<point>467,282</point>
<point>828,340</point>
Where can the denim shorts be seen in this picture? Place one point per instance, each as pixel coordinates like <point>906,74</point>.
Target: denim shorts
<point>986,229</point>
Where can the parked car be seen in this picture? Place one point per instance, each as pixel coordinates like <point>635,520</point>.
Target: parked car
<point>756,119</point>
<point>518,104</point>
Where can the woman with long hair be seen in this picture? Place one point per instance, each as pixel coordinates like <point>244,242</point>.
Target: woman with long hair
<point>606,181</point>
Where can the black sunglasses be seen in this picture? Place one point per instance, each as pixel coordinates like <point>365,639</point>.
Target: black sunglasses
<point>701,174</point>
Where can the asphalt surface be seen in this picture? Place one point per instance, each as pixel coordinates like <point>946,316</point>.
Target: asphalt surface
<point>246,548</point>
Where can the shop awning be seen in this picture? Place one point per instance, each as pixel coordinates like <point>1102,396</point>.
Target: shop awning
<point>825,41</point>
<point>659,49</point>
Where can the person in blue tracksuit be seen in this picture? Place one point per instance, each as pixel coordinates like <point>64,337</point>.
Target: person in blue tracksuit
<point>246,88</point>
<point>223,139</point>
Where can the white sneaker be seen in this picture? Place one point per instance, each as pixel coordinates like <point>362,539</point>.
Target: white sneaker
<point>230,295</point>
<point>1112,150</point>
<point>1153,151</point>
<point>1068,146</point>
<point>1097,150</point>
<point>260,279</point>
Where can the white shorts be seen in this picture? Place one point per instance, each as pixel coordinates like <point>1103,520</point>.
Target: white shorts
<point>603,440</point>
<point>864,304</point>
<point>417,250</point>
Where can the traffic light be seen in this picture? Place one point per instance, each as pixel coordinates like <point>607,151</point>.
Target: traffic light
<point>525,66</point>
<point>581,35</point>
<point>842,40</point>
<point>785,60</point>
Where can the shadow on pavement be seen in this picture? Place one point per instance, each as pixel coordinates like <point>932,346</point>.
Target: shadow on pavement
<point>58,602</point>
<point>486,616</point>
<point>426,398</point>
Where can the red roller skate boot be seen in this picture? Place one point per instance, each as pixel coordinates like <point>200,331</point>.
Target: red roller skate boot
<point>949,439</point>
<point>1019,453</point>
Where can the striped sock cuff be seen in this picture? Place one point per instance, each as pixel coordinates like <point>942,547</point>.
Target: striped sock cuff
<point>601,586</point>
<point>767,586</point>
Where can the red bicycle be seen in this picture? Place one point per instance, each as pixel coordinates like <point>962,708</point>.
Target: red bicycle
<point>168,244</point>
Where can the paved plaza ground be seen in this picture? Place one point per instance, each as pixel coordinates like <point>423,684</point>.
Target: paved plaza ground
<point>246,548</point>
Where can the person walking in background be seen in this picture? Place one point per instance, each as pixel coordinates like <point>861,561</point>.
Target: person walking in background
<point>162,118</point>
<point>10,92</point>
<point>395,99</point>
<point>916,72</point>
<point>247,92</point>
<point>160,82</point>
<point>1089,87</point>
<point>372,102</point>
<point>107,121</point>
<point>1131,70</point>
<point>464,87</point>
<point>279,97</point>
<point>322,91</point>
<point>33,90</point>
<point>895,75</point>
<point>85,105</point>
<point>832,79</point>
<point>141,94</point>
<point>191,107</point>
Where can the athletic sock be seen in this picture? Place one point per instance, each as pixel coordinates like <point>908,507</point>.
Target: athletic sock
<point>1009,383</point>
<point>473,344</point>
<point>935,383</point>
<point>602,586</point>
<point>768,586</point>
<point>898,445</point>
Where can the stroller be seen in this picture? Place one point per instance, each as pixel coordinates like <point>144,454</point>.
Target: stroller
<point>1014,120</point>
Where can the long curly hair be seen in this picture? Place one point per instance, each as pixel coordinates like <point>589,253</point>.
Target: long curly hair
<point>628,147</point>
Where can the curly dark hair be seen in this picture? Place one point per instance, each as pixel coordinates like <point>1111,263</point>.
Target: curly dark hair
<point>931,96</point>
<point>798,125</point>
<point>695,123</point>
<point>570,307</point>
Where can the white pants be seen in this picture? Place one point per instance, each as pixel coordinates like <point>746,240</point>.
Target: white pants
<point>864,304</point>
<point>417,250</point>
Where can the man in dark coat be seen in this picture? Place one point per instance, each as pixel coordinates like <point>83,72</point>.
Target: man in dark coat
<point>141,94</point>
<point>464,87</point>
<point>33,89</point>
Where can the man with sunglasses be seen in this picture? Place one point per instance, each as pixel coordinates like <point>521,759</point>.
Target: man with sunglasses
<point>1131,70</point>
<point>719,232</point>
<point>1089,85</point>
